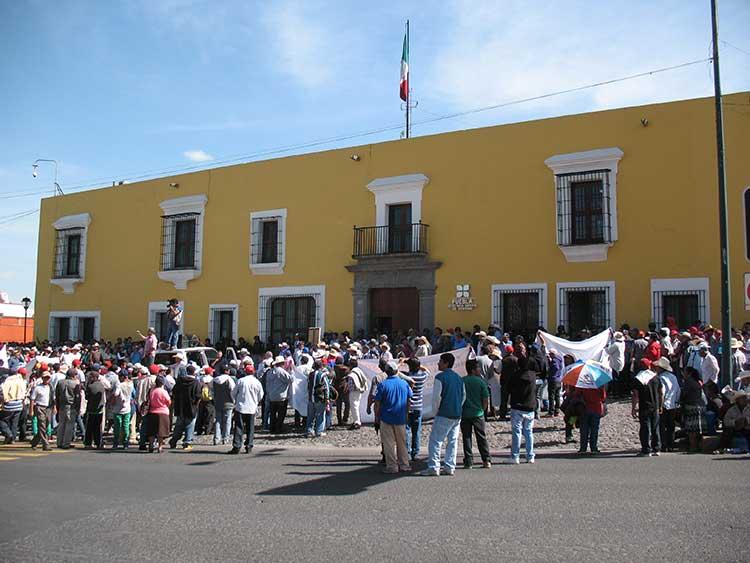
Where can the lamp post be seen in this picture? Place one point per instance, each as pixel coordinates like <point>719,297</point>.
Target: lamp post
<point>58,189</point>
<point>26,303</point>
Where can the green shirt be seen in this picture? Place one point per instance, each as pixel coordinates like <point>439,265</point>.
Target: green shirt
<point>476,390</point>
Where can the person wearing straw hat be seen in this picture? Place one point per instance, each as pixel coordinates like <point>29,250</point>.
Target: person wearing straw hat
<point>671,389</point>
<point>278,381</point>
<point>736,420</point>
<point>737,359</point>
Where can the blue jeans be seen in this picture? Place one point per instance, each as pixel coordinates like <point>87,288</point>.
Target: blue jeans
<point>182,425</point>
<point>413,432</point>
<point>590,431</point>
<point>522,421</point>
<point>223,424</point>
<point>443,428</point>
<point>173,335</point>
<point>319,410</point>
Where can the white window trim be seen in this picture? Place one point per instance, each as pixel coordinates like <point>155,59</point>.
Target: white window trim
<point>273,268</point>
<point>318,292</point>
<point>681,284</point>
<point>398,189</point>
<point>540,288</point>
<point>161,307</point>
<point>82,220</point>
<point>394,190</point>
<point>176,206</point>
<point>74,316</point>
<point>589,285</point>
<point>235,308</point>
<point>598,159</point>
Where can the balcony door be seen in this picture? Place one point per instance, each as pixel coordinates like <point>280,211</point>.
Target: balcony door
<point>399,228</point>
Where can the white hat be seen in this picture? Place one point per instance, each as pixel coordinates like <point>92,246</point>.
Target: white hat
<point>279,360</point>
<point>481,334</point>
<point>320,354</point>
<point>662,363</point>
<point>735,344</point>
<point>618,336</point>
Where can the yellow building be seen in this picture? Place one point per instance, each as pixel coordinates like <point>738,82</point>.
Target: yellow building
<point>588,220</point>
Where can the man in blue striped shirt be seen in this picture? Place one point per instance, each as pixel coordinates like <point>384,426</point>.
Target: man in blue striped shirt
<point>414,421</point>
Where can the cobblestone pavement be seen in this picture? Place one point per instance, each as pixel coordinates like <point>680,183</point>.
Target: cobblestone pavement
<point>618,431</point>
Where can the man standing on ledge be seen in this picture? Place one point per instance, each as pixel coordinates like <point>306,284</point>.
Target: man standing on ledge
<point>448,397</point>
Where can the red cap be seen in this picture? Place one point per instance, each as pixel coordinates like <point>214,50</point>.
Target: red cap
<point>509,349</point>
<point>153,369</point>
<point>22,371</point>
<point>76,363</point>
<point>43,366</point>
<point>208,370</point>
<point>249,368</point>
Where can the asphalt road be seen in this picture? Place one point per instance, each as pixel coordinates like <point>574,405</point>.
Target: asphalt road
<point>295,504</point>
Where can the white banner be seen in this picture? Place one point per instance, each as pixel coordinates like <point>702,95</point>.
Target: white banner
<point>370,369</point>
<point>594,348</point>
<point>4,355</point>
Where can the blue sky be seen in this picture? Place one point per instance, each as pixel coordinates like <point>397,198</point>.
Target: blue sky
<point>113,90</point>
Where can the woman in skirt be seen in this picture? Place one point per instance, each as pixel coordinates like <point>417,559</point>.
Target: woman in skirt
<point>693,408</point>
<point>158,415</point>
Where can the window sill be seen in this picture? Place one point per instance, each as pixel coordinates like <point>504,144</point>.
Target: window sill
<point>67,284</point>
<point>273,268</point>
<point>179,277</point>
<point>586,253</point>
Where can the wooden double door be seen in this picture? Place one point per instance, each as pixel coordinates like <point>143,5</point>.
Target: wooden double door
<point>394,309</point>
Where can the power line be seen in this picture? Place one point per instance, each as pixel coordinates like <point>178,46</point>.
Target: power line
<point>728,44</point>
<point>234,159</point>
<point>17,217</point>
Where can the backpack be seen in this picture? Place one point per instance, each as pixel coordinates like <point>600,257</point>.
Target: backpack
<point>206,394</point>
<point>320,388</point>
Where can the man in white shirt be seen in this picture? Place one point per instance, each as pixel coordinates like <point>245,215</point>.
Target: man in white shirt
<point>671,389</point>
<point>709,365</point>
<point>246,395</point>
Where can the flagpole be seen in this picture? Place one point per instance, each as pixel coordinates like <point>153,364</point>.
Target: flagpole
<point>408,80</point>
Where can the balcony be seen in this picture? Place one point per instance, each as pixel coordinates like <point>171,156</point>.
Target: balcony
<point>390,240</point>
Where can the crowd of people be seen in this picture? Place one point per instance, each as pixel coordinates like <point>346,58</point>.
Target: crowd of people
<point>76,391</point>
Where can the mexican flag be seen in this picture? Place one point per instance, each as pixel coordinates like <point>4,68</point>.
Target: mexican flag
<point>404,85</point>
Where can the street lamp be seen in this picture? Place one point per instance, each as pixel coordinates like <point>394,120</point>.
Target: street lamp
<point>26,303</point>
<point>34,172</point>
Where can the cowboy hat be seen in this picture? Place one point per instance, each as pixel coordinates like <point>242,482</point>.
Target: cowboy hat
<point>735,344</point>
<point>279,360</point>
<point>662,363</point>
<point>492,340</point>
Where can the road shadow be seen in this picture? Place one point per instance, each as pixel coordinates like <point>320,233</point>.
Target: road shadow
<point>734,457</point>
<point>337,483</point>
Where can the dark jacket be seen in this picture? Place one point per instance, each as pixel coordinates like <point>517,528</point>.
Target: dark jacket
<point>523,390</point>
<point>185,396</point>
<point>96,397</point>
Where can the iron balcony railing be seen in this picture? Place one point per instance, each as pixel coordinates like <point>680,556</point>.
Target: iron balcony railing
<point>390,239</point>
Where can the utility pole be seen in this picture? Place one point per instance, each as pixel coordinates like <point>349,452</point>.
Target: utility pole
<point>726,312</point>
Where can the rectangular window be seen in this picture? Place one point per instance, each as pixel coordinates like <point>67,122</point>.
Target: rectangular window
<point>68,252</point>
<point>682,309</point>
<point>588,306</point>
<point>583,208</point>
<point>178,241</point>
<point>161,325</point>
<point>399,228</point>
<point>86,329</point>
<point>62,329</point>
<point>222,323</point>
<point>73,259</point>
<point>519,308</point>
<point>291,316</point>
<point>184,246</point>
<point>269,242</point>
<point>587,199</point>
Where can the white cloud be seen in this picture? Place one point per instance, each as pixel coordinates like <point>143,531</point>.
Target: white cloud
<point>301,46</point>
<point>499,52</point>
<point>198,156</point>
